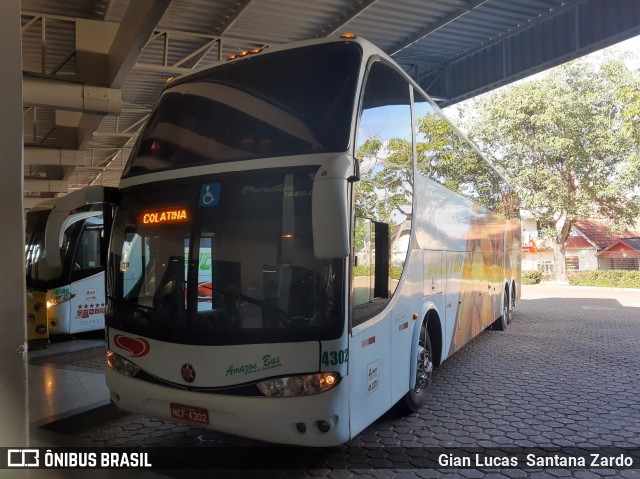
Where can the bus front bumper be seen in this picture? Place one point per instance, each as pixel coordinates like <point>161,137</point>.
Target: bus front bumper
<point>291,420</point>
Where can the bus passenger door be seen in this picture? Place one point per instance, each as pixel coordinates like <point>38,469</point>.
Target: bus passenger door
<point>87,305</point>
<point>369,346</point>
<point>369,342</point>
<point>383,195</point>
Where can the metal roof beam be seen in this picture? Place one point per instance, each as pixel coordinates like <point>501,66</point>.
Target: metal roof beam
<point>93,41</point>
<point>436,26</point>
<point>234,17</point>
<point>29,202</point>
<point>107,58</point>
<point>567,33</point>
<point>53,156</point>
<point>74,130</point>
<point>347,18</point>
<point>44,185</point>
<point>138,24</point>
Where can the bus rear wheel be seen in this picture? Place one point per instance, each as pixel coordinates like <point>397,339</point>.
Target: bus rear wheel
<point>414,399</point>
<point>500,324</point>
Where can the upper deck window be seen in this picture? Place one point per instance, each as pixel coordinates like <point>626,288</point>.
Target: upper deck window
<point>291,102</point>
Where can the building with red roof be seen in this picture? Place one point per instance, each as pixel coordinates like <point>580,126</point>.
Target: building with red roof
<point>622,254</point>
<point>591,245</point>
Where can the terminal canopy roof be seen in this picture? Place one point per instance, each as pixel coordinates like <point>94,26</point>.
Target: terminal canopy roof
<point>124,51</point>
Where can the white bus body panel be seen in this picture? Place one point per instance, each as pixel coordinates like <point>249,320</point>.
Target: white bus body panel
<point>84,312</point>
<point>216,366</point>
<point>370,372</point>
<point>473,241</point>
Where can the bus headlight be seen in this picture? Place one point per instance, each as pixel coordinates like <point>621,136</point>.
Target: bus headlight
<point>121,365</point>
<point>56,300</point>
<point>299,385</point>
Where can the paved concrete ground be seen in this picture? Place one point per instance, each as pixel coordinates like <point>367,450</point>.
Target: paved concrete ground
<point>565,373</point>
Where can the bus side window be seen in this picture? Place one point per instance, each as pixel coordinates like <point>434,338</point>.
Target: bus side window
<point>384,194</point>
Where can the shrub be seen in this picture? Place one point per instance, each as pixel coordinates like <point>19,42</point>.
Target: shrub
<point>531,277</point>
<point>615,278</point>
<point>361,270</point>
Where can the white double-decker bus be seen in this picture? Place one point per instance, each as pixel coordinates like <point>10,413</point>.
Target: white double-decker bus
<point>300,238</point>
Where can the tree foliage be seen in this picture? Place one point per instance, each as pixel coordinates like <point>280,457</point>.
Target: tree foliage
<point>448,158</point>
<point>442,155</point>
<point>570,144</point>
<point>386,180</point>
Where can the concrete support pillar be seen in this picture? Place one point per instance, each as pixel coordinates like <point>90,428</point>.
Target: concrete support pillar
<point>13,355</point>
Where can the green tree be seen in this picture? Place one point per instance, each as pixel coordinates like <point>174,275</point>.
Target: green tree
<point>448,158</point>
<point>569,143</point>
<point>386,185</point>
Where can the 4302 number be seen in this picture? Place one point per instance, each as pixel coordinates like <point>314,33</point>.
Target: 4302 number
<point>332,358</point>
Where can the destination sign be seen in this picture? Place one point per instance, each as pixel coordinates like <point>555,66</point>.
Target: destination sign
<point>169,215</point>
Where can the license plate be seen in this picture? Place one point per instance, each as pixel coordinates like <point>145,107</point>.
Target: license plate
<point>193,414</point>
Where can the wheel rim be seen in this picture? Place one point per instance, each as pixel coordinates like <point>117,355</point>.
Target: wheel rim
<point>425,366</point>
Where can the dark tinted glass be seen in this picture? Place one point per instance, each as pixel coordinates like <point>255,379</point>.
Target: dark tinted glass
<point>238,269</point>
<point>384,195</point>
<point>285,103</point>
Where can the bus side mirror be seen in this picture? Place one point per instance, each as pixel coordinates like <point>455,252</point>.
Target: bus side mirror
<point>330,208</point>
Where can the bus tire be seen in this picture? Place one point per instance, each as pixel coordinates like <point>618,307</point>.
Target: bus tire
<point>414,399</point>
<point>500,324</point>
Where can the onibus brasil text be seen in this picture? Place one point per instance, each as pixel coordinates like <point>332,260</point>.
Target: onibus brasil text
<point>93,459</point>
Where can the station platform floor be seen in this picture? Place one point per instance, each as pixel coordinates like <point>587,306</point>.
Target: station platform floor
<point>66,383</point>
<point>65,378</point>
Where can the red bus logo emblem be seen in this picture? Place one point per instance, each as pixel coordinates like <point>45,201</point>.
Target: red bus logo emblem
<point>188,372</point>
<point>137,347</point>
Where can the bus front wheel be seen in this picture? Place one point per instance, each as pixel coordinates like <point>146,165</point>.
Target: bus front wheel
<point>414,399</point>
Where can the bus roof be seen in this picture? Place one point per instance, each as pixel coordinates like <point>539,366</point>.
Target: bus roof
<point>367,47</point>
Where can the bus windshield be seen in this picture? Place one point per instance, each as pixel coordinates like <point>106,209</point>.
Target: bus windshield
<point>37,272</point>
<point>80,250</point>
<point>278,104</point>
<point>228,260</point>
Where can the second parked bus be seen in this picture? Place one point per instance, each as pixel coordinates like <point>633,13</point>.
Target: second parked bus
<point>66,252</point>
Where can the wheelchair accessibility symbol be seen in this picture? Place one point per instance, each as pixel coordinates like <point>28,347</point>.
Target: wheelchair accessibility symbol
<point>209,195</point>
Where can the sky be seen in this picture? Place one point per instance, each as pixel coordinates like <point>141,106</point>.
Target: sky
<point>632,46</point>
